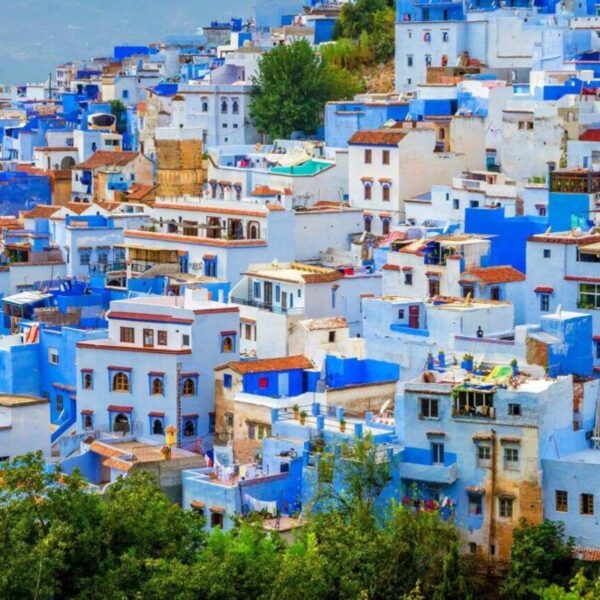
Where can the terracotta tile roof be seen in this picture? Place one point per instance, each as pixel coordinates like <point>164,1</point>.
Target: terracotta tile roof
<point>566,238</point>
<point>78,207</point>
<point>265,191</point>
<point>590,135</point>
<point>129,316</point>
<point>332,275</point>
<point>540,289</point>
<point>105,450</point>
<point>588,554</point>
<point>266,365</point>
<point>117,463</point>
<point>377,137</point>
<point>109,206</point>
<point>55,149</point>
<point>491,275</point>
<point>389,267</point>
<point>102,158</point>
<point>40,211</point>
<point>138,191</point>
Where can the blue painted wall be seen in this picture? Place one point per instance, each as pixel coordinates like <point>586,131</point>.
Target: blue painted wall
<point>508,245</point>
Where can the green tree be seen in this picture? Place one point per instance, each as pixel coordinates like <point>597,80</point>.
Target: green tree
<point>541,555</point>
<point>581,588</point>
<point>119,110</point>
<point>291,88</point>
<point>359,16</point>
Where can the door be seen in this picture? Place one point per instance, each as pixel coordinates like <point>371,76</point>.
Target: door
<point>268,292</point>
<point>284,300</point>
<point>284,384</point>
<point>413,317</point>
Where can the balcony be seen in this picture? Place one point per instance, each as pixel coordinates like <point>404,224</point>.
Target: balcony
<point>441,474</point>
<point>296,310</point>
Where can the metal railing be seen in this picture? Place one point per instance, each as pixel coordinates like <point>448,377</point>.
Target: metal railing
<point>270,307</point>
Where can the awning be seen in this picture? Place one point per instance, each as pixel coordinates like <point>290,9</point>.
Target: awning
<point>118,408</point>
<point>217,509</point>
<point>590,248</point>
<point>543,290</point>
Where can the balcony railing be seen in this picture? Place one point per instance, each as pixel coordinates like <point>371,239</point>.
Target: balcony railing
<point>270,307</point>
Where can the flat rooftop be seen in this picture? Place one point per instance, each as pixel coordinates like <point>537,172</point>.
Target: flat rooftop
<point>13,400</point>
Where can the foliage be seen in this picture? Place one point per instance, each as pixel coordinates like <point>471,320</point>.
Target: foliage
<point>119,110</point>
<point>581,588</point>
<point>359,16</point>
<point>540,556</point>
<point>291,88</point>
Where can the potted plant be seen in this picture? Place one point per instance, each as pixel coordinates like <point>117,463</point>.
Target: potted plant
<point>342,425</point>
<point>303,417</point>
<point>442,358</point>
<point>296,410</point>
<point>515,367</point>
<point>467,362</point>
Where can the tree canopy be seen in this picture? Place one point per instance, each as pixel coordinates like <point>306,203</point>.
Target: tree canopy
<point>291,88</point>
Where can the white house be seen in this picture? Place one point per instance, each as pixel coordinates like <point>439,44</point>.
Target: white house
<point>155,368</point>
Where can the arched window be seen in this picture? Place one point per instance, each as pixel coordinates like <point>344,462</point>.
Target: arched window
<point>204,104</point>
<point>253,230</point>
<point>224,107</point>
<point>189,429</point>
<point>87,422</point>
<point>158,388</point>
<point>227,344</point>
<point>120,382</point>
<point>189,387</point>
<point>87,381</point>
<point>235,107</point>
<point>158,427</point>
<point>67,163</point>
<point>121,423</point>
<point>385,226</point>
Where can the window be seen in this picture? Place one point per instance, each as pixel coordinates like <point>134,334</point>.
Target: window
<point>428,60</point>
<point>229,419</point>
<point>158,389</point>
<point>484,455</point>
<point>263,383</point>
<point>103,257</point>
<point>162,337</point>
<point>472,548</point>
<point>544,302</point>
<point>368,221</point>
<point>409,60</point>
<point>530,125</point>
<point>589,295</point>
<point>88,423</point>
<point>331,337</point>
<point>251,431</point>
<point>511,458</point>
<point>429,408</point>
<point>334,290</point>
<point>385,192</point>
<point>547,253</point>
<point>514,410</point>
<point>445,36</point>
<point>434,287</point>
<point>224,107</point>
<point>437,453</point>
<point>475,504</point>
<point>60,403</point>
<point>227,381</point>
<point>368,156</point>
<point>121,423</point>
<point>368,193</point>
<point>561,500</point>
<point>185,340</point>
<point>216,519</point>
<point>127,335</point>
<point>88,381</point>
<point>204,105</point>
<point>256,289</point>
<point>53,356</point>
<point>189,428</point>
<point>408,278</point>
<point>120,382</point>
<point>506,507</point>
<point>495,292</point>
<point>473,203</point>
<point>189,387</point>
<point>385,226</point>
<point>158,427</point>
<point>597,347</point>
<point>385,157</point>
<point>211,422</point>
<point>586,504</point>
<point>455,203</point>
<point>228,344</point>
<point>148,338</point>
